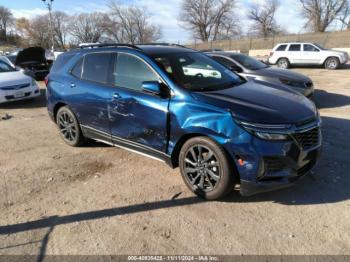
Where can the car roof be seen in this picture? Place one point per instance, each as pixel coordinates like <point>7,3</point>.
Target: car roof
<point>223,53</point>
<point>149,49</point>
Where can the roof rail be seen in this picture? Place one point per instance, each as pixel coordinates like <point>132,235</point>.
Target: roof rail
<point>110,45</point>
<point>165,44</point>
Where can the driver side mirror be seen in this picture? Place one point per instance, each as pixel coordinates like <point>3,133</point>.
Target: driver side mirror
<point>151,87</point>
<point>236,69</point>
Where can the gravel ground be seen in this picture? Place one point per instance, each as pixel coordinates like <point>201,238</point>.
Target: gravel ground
<point>103,200</point>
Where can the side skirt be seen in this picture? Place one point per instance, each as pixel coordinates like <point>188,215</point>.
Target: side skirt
<point>126,144</point>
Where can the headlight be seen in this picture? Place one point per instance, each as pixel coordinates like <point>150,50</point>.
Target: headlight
<point>292,83</point>
<point>267,132</point>
<point>34,82</point>
<point>268,136</point>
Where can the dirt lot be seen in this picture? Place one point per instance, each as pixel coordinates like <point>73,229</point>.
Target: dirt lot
<point>102,200</point>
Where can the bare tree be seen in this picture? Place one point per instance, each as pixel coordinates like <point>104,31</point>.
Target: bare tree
<point>6,18</point>
<point>263,17</point>
<point>131,24</point>
<point>209,19</point>
<point>344,16</point>
<point>321,14</point>
<point>87,27</point>
<point>60,28</point>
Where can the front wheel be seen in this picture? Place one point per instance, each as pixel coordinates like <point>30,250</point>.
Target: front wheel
<point>205,168</point>
<point>331,63</point>
<point>68,127</point>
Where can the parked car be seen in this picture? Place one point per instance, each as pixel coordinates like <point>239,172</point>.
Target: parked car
<point>289,54</point>
<point>15,84</point>
<point>32,59</point>
<point>252,68</point>
<point>220,131</point>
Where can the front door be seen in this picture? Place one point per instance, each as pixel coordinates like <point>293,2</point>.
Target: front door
<point>138,120</point>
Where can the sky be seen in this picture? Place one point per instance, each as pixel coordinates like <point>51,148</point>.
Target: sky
<point>164,13</point>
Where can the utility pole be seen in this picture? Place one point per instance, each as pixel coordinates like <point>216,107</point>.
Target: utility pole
<point>48,4</point>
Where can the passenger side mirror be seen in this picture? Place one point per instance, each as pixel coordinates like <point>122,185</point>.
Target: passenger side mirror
<point>151,87</point>
<point>236,69</point>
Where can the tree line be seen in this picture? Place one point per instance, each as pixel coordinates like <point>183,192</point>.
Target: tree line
<point>207,20</point>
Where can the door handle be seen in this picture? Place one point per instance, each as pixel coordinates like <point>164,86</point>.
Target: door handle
<point>72,85</point>
<point>116,96</point>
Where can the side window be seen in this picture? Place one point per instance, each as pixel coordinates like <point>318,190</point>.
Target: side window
<point>130,72</point>
<point>281,48</point>
<point>223,61</point>
<point>294,47</point>
<point>61,61</point>
<point>310,48</point>
<point>76,71</point>
<point>96,67</point>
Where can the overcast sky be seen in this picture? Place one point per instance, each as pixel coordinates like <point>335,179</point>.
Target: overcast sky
<point>163,12</point>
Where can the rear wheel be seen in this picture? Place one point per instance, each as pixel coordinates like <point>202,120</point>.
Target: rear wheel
<point>283,63</point>
<point>205,168</point>
<point>68,127</point>
<point>332,63</point>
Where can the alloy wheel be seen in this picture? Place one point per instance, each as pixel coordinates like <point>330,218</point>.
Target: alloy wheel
<point>67,127</point>
<point>202,168</point>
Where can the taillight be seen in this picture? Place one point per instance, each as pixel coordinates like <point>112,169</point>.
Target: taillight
<point>46,80</point>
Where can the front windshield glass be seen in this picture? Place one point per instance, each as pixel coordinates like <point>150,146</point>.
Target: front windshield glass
<point>249,62</point>
<point>4,67</point>
<point>196,71</point>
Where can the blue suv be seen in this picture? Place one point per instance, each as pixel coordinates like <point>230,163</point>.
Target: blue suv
<point>180,106</point>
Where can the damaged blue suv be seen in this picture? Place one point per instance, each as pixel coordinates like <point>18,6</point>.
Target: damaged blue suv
<point>180,106</point>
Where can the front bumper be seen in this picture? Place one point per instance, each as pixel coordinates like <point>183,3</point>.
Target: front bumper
<point>13,95</point>
<point>278,180</point>
<point>266,165</point>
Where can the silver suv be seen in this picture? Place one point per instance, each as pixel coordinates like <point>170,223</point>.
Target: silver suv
<point>286,54</point>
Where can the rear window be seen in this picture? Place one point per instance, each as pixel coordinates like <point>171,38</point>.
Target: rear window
<point>281,48</point>
<point>96,67</point>
<point>61,61</point>
<point>294,47</point>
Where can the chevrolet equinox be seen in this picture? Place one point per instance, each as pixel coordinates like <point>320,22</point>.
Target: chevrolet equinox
<point>182,107</point>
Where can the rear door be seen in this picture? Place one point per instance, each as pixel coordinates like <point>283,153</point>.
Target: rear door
<point>89,92</point>
<point>137,119</point>
<point>295,54</point>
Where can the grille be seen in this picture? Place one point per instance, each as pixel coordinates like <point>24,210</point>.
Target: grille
<point>14,87</point>
<point>308,139</point>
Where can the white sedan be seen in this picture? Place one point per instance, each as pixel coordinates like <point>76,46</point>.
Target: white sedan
<point>15,84</point>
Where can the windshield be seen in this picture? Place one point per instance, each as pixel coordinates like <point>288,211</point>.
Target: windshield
<point>249,62</point>
<point>4,67</point>
<point>320,47</point>
<point>196,71</point>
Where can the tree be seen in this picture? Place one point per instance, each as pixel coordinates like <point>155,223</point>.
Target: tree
<point>321,14</point>
<point>131,24</point>
<point>263,17</point>
<point>6,18</point>
<point>344,16</point>
<point>87,27</point>
<point>60,28</point>
<point>209,19</point>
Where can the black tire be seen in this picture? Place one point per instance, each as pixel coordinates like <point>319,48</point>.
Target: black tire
<point>69,127</point>
<point>332,63</point>
<point>215,171</point>
<point>283,63</point>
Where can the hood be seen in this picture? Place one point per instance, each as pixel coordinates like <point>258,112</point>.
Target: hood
<point>14,78</point>
<point>264,104</point>
<point>31,54</point>
<point>280,73</point>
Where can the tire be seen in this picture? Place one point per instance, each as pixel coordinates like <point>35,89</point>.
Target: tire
<point>211,179</point>
<point>69,127</point>
<point>332,63</point>
<point>283,63</point>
